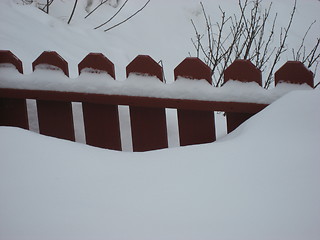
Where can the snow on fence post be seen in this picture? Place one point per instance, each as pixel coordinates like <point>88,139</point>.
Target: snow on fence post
<point>97,61</point>
<point>101,121</point>
<point>148,125</point>
<point>195,127</point>
<point>55,117</point>
<point>294,72</point>
<point>7,56</point>
<point>243,71</point>
<point>52,58</point>
<point>13,112</point>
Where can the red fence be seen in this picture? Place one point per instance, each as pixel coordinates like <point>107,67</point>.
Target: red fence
<point>147,114</point>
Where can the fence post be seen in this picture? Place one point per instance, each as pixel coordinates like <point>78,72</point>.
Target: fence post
<point>195,127</point>
<point>101,121</point>
<point>148,125</point>
<point>13,112</point>
<point>55,117</point>
<point>7,56</point>
<point>294,72</point>
<point>243,71</point>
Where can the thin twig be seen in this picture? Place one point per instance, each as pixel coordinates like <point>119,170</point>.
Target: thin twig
<point>296,55</point>
<point>116,25</point>
<point>74,8</point>
<point>281,49</point>
<point>112,16</point>
<point>101,3</point>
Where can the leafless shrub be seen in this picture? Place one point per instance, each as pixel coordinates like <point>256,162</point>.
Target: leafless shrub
<point>247,36</point>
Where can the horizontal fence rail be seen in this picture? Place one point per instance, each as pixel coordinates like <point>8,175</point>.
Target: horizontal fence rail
<point>196,121</point>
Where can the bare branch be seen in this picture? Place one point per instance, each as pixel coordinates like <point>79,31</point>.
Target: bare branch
<point>116,25</point>
<point>297,55</point>
<point>281,49</point>
<point>312,57</point>
<point>112,16</point>
<point>100,4</point>
<point>248,35</point>
<point>74,8</point>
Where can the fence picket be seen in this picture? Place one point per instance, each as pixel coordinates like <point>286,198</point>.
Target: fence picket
<point>13,112</point>
<point>148,125</point>
<point>52,58</point>
<point>294,72</point>
<point>243,71</point>
<point>8,57</point>
<point>55,117</point>
<point>101,121</point>
<point>195,127</point>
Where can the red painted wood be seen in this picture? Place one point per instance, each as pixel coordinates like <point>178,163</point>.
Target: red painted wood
<point>294,72</point>
<point>243,71</point>
<point>8,57</point>
<point>148,128</point>
<point>101,124</point>
<point>193,68</point>
<point>13,112</point>
<point>54,59</point>
<point>148,125</point>
<point>195,127</point>
<point>55,119</point>
<point>101,121</point>
<point>144,64</point>
<point>187,104</point>
<point>97,61</point>
<point>234,120</point>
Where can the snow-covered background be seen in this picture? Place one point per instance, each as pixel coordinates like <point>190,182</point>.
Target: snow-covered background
<point>259,182</point>
<point>162,30</point>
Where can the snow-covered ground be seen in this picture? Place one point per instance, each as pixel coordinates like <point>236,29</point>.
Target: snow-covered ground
<point>162,30</point>
<point>259,182</point>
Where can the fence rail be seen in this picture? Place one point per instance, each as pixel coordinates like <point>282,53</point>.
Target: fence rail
<point>147,114</point>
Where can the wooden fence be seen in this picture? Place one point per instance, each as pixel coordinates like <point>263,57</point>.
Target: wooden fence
<point>147,114</point>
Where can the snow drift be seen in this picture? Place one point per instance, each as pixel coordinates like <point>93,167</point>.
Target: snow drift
<point>259,182</point>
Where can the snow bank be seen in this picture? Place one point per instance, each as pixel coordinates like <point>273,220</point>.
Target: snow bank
<point>259,182</point>
<point>166,35</point>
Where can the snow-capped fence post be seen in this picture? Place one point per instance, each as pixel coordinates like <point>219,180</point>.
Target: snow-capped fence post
<point>101,121</point>
<point>148,124</point>
<point>294,72</point>
<point>52,58</point>
<point>97,61</point>
<point>195,127</point>
<point>13,112</point>
<point>7,56</point>
<point>243,71</point>
<point>55,117</point>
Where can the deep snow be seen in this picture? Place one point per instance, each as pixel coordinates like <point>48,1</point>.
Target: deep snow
<point>259,182</point>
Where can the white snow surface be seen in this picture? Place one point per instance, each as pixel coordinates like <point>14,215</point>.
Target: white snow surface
<point>165,35</point>
<point>145,86</point>
<point>259,182</point>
